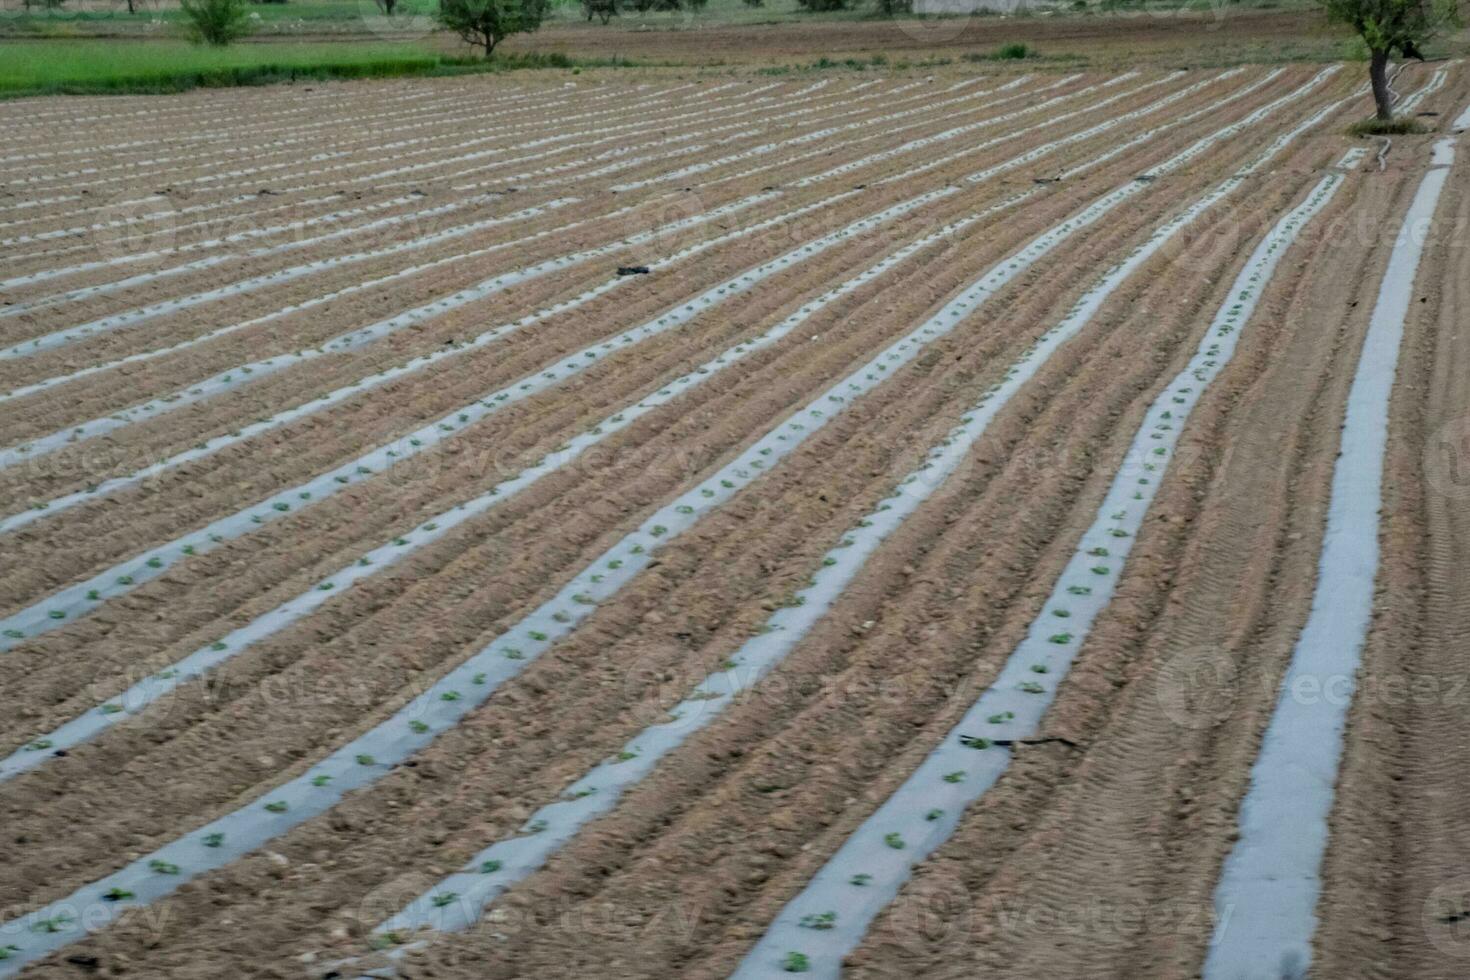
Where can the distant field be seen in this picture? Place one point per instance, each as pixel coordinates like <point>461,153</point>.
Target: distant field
<point>97,64</point>
<point>81,66</point>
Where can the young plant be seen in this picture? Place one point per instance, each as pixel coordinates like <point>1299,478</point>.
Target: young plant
<point>819,920</point>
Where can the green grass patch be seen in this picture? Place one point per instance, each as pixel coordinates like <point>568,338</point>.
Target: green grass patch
<point>101,67</point>
<point>1015,51</point>
<point>1397,126</point>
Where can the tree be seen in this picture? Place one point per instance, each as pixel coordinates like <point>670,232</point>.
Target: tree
<point>387,6</point>
<point>1388,27</point>
<point>485,23</point>
<point>605,9</point>
<point>216,22</point>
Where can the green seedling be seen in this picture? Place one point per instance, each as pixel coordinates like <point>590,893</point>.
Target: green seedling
<point>117,895</point>
<point>796,962</point>
<point>57,923</point>
<point>933,815</point>
<point>489,867</point>
<point>417,727</point>
<point>894,840</point>
<point>214,840</point>
<point>1031,687</point>
<point>1002,718</point>
<point>819,920</point>
<point>444,898</point>
<point>974,742</point>
<point>277,806</point>
<point>958,776</point>
<point>861,880</point>
<point>163,867</point>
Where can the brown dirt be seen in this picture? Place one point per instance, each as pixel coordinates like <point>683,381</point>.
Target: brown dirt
<point>683,875</point>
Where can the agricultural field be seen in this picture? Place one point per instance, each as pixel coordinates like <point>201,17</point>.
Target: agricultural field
<point>657,523</point>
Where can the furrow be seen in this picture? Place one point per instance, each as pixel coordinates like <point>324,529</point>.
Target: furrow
<point>866,873</point>
<point>235,378</point>
<point>1271,879</point>
<point>360,762</point>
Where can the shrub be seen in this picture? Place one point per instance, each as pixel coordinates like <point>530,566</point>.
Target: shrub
<point>216,22</point>
<point>605,9</point>
<point>485,23</point>
<point>644,6</point>
<point>1397,126</point>
<point>1015,51</point>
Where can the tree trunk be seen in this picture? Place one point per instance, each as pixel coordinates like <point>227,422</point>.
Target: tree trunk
<point>1378,73</point>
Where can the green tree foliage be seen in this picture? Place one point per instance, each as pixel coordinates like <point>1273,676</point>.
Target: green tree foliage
<point>1392,27</point>
<point>216,22</point>
<point>485,23</point>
